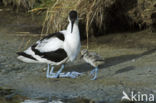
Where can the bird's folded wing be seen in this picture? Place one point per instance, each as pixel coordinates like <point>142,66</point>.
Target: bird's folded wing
<point>99,58</point>
<point>50,49</point>
<point>49,45</point>
<point>95,56</point>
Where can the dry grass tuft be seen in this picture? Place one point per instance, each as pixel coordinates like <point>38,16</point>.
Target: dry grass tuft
<point>90,11</point>
<point>27,4</point>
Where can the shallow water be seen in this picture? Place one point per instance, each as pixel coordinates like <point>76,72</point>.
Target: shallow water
<point>11,96</point>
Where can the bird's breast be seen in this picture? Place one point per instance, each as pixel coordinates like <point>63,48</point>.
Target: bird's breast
<point>72,46</point>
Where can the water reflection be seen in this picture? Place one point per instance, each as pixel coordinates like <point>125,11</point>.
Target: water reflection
<point>11,96</point>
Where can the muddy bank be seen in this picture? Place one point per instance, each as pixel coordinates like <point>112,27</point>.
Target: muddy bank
<point>129,66</point>
<point>12,21</point>
<point>128,69</point>
<point>11,96</point>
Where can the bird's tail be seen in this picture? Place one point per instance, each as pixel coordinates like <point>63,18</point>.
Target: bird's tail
<point>19,53</point>
<point>25,57</point>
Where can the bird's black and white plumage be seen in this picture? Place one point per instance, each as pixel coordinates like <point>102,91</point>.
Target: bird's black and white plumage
<point>93,59</point>
<point>57,48</point>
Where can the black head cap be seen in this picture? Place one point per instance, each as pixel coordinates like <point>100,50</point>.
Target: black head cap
<point>73,15</point>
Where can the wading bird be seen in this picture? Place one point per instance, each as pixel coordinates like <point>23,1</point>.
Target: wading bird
<point>56,49</point>
<point>93,59</point>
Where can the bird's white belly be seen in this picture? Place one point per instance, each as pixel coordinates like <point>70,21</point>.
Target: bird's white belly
<point>72,48</point>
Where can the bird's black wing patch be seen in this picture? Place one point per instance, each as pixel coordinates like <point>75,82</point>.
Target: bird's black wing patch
<point>57,34</point>
<point>26,55</point>
<point>54,56</point>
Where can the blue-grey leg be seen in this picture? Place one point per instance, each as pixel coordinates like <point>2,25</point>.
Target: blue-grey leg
<point>47,74</point>
<point>51,74</point>
<point>54,75</point>
<point>94,72</point>
<point>70,75</point>
<point>51,71</point>
<point>59,71</point>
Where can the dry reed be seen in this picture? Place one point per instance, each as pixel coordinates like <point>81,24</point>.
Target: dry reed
<point>27,4</point>
<point>90,11</point>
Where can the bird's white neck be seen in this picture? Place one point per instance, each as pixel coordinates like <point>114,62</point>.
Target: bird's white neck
<point>73,41</point>
<point>75,28</point>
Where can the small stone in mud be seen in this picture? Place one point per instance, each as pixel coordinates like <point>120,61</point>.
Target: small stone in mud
<point>44,69</point>
<point>133,60</point>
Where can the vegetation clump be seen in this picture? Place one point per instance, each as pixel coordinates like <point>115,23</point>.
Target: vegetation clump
<point>97,17</point>
<point>26,4</point>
